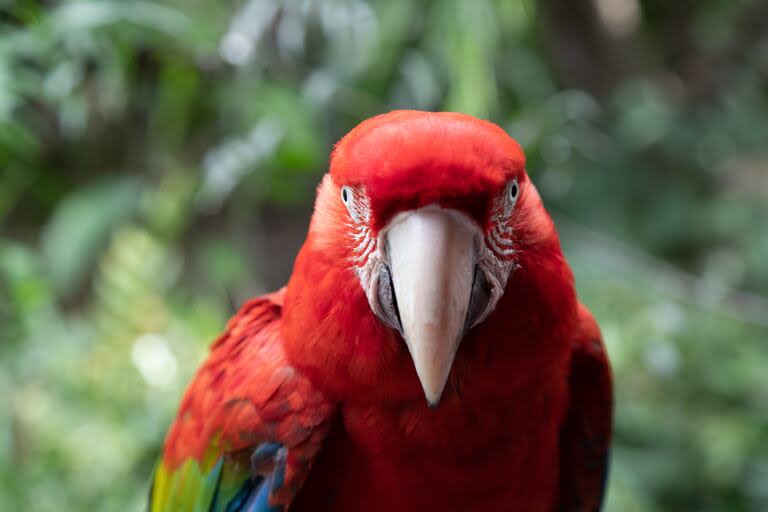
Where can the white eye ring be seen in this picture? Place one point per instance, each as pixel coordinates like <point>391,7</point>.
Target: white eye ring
<point>348,198</point>
<point>346,195</point>
<point>513,192</point>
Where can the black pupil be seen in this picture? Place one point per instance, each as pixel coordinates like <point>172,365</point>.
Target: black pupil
<point>513,191</point>
<point>344,194</point>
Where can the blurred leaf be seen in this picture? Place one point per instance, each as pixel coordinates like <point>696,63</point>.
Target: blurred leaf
<point>85,15</point>
<point>79,228</point>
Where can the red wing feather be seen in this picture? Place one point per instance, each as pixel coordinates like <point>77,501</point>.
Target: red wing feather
<point>246,394</point>
<point>586,435</point>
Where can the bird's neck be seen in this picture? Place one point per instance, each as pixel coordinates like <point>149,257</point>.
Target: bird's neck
<point>461,425</point>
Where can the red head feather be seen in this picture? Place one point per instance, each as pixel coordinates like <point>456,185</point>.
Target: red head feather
<point>407,159</point>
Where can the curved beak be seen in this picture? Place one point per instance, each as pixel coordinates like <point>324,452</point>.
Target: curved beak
<point>431,252</point>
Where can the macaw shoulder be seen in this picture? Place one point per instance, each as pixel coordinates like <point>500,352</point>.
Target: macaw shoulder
<point>246,391</point>
<point>585,437</point>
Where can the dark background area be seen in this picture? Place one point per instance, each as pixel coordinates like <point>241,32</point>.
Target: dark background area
<point>158,162</point>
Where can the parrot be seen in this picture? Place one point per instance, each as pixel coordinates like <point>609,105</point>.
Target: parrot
<point>428,351</point>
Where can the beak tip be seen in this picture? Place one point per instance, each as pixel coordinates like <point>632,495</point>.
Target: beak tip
<point>433,399</point>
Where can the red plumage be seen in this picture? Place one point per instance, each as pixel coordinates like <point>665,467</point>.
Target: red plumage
<point>525,418</point>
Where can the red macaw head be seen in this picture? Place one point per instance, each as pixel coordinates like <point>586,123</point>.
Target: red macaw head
<point>418,228</point>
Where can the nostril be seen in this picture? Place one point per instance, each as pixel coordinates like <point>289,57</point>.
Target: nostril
<point>388,310</point>
<point>478,300</point>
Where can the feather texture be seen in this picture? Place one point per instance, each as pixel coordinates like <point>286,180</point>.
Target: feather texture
<point>585,438</point>
<point>248,426</point>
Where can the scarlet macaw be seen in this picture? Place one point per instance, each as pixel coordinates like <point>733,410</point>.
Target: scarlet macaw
<point>431,269</point>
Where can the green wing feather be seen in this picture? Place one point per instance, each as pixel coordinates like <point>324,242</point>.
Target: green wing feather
<point>200,486</point>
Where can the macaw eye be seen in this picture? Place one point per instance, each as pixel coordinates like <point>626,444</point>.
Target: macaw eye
<point>348,198</point>
<point>513,191</point>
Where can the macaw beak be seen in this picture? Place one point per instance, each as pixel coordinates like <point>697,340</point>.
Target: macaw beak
<point>432,258</point>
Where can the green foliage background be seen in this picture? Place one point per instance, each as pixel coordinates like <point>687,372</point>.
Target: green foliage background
<point>158,162</point>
